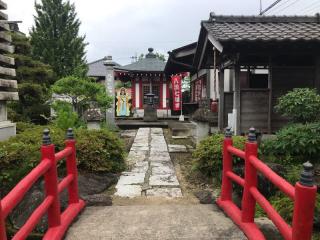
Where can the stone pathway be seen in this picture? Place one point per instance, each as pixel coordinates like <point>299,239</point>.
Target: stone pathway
<point>152,173</point>
<point>154,222</point>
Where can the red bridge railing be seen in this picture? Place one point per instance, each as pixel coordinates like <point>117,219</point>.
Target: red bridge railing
<point>303,194</point>
<point>58,222</point>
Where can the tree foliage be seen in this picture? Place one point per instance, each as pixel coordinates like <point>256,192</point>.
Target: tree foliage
<point>302,105</point>
<point>34,79</point>
<point>83,92</point>
<point>55,37</point>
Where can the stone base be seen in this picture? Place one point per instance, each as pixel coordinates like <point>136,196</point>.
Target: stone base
<point>7,130</point>
<point>150,114</point>
<point>93,125</point>
<point>161,113</point>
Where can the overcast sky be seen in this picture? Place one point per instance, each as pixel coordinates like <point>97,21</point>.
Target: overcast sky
<point>123,28</point>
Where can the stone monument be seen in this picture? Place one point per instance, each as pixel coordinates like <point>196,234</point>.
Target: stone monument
<point>8,87</point>
<point>150,112</point>
<point>109,84</point>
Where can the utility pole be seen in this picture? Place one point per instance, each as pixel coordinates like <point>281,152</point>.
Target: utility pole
<point>260,7</point>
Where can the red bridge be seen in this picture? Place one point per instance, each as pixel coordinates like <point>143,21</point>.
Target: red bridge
<point>58,222</point>
<point>303,194</point>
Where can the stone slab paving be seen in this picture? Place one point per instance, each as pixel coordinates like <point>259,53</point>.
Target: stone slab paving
<point>152,173</point>
<point>154,222</point>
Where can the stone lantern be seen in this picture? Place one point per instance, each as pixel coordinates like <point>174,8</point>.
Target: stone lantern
<point>150,112</point>
<point>8,87</point>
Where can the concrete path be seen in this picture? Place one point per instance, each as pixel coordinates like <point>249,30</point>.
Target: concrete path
<point>152,173</point>
<point>154,222</point>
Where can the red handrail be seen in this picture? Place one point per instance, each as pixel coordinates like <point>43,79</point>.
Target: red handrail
<point>58,222</point>
<point>303,193</point>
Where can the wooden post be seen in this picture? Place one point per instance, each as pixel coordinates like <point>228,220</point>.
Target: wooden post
<point>317,73</point>
<point>304,204</point>
<point>3,235</point>
<point>237,99</point>
<point>251,180</point>
<point>226,188</point>
<point>51,180</point>
<point>72,168</point>
<point>221,100</point>
<point>270,96</point>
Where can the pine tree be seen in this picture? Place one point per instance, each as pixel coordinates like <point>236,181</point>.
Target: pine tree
<point>34,79</point>
<point>55,37</point>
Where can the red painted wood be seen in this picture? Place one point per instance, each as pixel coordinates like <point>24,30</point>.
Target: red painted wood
<point>58,223</point>
<point>140,94</point>
<point>51,185</point>
<point>251,180</point>
<point>303,197</point>
<point>33,220</point>
<point>226,188</point>
<point>278,181</point>
<point>72,170</point>
<point>12,199</point>
<point>133,93</point>
<point>304,204</point>
<point>62,154</point>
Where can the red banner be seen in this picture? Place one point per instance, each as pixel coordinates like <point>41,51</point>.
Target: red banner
<point>176,92</point>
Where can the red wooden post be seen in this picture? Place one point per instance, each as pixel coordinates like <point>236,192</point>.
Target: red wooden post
<point>3,235</point>
<point>51,180</point>
<point>304,204</point>
<point>72,168</point>
<point>226,188</point>
<point>248,202</point>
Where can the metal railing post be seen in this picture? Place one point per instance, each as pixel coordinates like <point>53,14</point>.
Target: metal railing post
<point>248,202</point>
<point>226,188</point>
<point>304,204</point>
<point>51,180</point>
<point>72,168</point>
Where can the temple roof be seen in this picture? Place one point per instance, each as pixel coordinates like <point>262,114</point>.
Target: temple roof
<point>98,69</point>
<point>151,63</point>
<point>264,28</point>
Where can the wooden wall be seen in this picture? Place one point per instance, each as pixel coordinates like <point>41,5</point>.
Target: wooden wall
<point>254,109</point>
<point>285,79</point>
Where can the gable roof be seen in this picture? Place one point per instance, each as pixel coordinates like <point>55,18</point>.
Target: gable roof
<point>148,64</point>
<point>226,32</point>
<point>265,28</point>
<point>97,68</point>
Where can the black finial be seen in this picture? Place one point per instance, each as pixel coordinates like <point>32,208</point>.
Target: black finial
<point>228,133</point>
<point>306,177</point>
<point>150,50</point>
<point>70,134</point>
<point>252,137</point>
<point>46,139</point>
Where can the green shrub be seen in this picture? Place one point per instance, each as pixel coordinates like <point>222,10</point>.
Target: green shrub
<point>302,105</point>
<point>66,117</point>
<point>97,151</point>
<point>284,206</point>
<point>296,143</point>
<point>208,154</point>
<point>23,126</point>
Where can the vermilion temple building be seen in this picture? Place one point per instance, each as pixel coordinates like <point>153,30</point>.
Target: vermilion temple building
<point>134,81</point>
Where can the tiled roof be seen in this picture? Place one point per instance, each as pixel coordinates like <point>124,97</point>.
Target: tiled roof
<point>97,68</point>
<point>265,28</point>
<point>148,64</point>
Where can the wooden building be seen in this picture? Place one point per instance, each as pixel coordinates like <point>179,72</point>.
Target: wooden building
<point>265,57</point>
<point>134,81</point>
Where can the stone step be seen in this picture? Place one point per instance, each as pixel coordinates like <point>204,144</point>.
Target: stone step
<point>154,222</point>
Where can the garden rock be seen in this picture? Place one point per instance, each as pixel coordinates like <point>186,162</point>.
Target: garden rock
<point>205,197</point>
<point>98,200</point>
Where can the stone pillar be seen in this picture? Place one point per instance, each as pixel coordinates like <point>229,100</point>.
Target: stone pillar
<point>8,88</point>
<point>109,84</point>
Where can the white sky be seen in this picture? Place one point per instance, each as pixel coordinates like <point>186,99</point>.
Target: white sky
<point>123,28</point>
